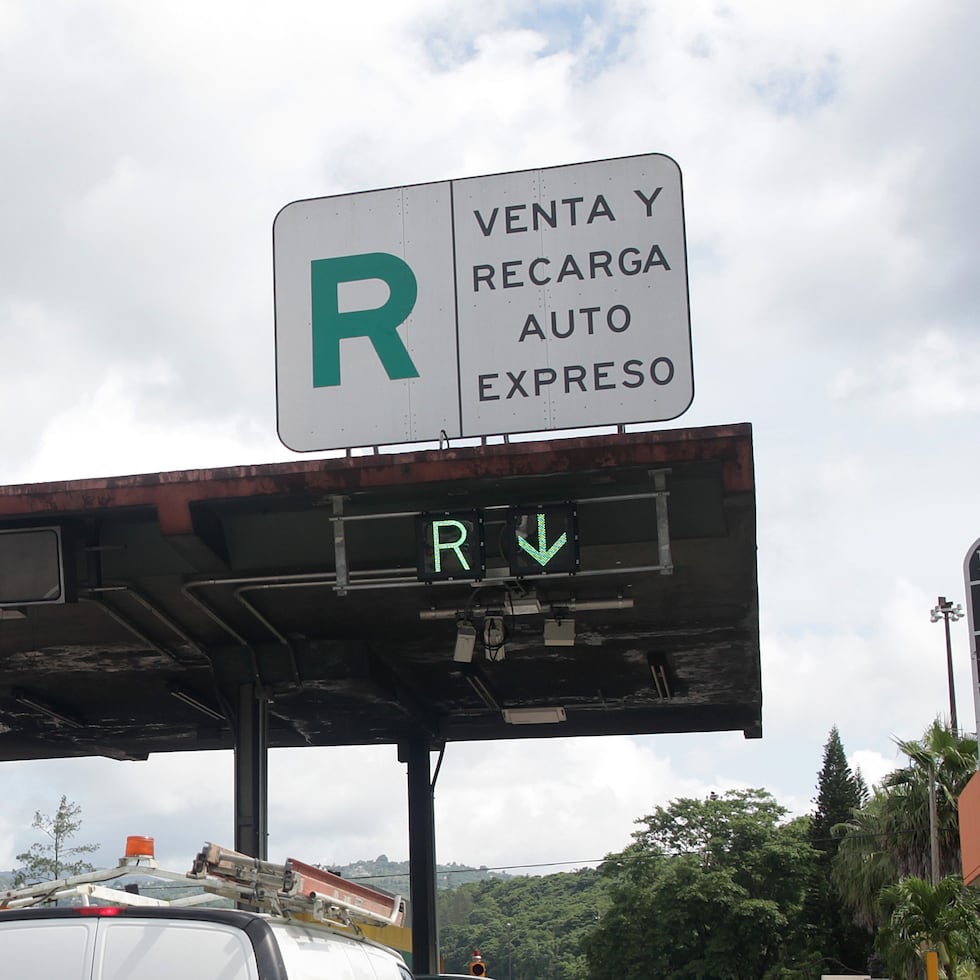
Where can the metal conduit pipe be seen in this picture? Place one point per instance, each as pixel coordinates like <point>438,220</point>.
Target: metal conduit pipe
<point>295,580</point>
<point>391,514</point>
<point>132,628</point>
<point>294,665</point>
<point>171,624</point>
<point>568,606</point>
<point>240,596</point>
<point>247,583</point>
<point>496,577</point>
<point>167,621</point>
<point>380,578</point>
<point>309,580</point>
<point>208,611</point>
<point>129,626</point>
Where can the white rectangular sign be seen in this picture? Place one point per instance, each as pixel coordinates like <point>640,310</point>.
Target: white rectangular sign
<point>527,301</point>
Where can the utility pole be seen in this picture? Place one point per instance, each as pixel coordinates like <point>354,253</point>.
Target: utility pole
<point>946,611</point>
<point>933,825</point>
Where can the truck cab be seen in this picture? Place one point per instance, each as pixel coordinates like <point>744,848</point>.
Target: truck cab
<point>303,925</point>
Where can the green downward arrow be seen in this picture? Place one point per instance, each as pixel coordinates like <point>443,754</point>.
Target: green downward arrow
<point>544,552</point>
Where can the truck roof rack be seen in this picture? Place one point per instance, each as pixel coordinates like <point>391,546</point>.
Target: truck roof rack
<point>293,888</point>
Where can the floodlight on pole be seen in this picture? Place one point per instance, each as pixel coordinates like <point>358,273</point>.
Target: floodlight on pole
<point>946,611</point>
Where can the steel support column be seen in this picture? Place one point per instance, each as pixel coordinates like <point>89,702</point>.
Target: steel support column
<point>421,855</point>
<point>252,772</point>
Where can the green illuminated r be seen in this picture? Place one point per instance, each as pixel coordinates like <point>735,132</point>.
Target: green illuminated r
<point>439,546</point>
<point>379,325</point>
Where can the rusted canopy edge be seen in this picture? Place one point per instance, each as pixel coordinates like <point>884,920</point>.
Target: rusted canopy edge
<point>172,493</point>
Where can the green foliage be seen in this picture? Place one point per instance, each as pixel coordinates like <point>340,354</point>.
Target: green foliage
<point>726,888</point>
<point>709,889</point>
<point>53,858</point>
<point>840,792</point>
<point>888,838</point>
<point>864,863</point>
<point>527,928</point>
<point>919,916</point>
<point>953,757</point>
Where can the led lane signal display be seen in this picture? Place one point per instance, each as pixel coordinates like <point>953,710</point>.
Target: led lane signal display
<point>543,540</point>
<point>450,546</point>
<point>536,541</point>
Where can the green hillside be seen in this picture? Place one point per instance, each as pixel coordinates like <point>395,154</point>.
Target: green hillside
<point>392,876</point>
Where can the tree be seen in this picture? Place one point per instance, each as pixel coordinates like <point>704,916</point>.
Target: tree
<point>920,917</point>
<point>526,927</point>
<point>953,760</point>
<point>53,859</point>
<point>840,792</point>
<point>864,863</point>
<point>709,889</point>
<point>889,837</point>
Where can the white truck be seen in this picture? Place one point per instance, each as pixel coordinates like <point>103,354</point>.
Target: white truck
<point>301,923</point>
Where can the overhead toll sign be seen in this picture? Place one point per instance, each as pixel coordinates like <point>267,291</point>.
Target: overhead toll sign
<point>526,301</point>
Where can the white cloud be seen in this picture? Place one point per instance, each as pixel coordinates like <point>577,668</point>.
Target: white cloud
<point>873,765</point>
<point>513,802</point>
<point>830,199</point>
<point>506,804</point>
<point>930,377</point>
<point>105,433</point>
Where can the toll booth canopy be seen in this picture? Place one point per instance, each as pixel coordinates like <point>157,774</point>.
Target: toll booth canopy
<point>578,586</point>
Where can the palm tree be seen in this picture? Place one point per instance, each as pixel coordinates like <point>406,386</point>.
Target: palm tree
<point>863,864</point>
<point>920,917</point>
<point>888,838</point>
<point>953,759</point>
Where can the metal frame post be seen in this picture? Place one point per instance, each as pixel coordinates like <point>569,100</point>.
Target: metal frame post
<point>421,855</point>
<point>252,772</point>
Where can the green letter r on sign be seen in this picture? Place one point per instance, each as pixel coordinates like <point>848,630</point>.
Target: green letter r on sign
<point>379,325</point>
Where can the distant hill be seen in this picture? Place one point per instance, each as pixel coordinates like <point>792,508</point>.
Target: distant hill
<point>392,876</point>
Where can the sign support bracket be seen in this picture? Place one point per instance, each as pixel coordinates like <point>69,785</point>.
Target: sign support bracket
<point>340,547</point>
<point>663,522</point>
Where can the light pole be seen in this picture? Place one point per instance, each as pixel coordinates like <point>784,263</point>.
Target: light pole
<point>946,611</point>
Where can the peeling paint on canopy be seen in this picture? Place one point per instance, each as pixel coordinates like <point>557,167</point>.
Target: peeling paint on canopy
<point>206,580</point>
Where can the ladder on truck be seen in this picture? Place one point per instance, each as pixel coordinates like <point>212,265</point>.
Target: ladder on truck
<point>293,888</point>
<point>297,887</point>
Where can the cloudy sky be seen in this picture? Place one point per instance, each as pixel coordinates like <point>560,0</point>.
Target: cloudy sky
<point>831,199</point>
